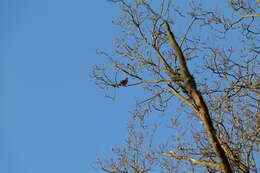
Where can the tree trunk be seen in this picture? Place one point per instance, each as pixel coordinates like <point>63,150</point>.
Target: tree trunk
<point>202,108</point>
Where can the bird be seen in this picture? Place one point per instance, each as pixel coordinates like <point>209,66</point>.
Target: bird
<point>123,82</point>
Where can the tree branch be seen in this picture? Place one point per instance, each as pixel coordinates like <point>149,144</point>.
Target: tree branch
<point>251,15</point>
<point>203,163</point>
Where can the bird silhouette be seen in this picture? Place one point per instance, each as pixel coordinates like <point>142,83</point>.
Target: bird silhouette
<point>123,82</point>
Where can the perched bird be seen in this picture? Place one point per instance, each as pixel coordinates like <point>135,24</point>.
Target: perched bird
<point>123,82</point>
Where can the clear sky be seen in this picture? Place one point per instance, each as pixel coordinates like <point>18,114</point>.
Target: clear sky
<point>53,118</point>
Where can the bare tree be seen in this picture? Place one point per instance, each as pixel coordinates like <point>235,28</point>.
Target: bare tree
<point>206,55</point>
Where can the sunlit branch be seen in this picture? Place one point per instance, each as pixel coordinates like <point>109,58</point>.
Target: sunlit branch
<point>145,81</point>
<point>251,15</point>
<point>203,163</point>
<point>175,92</point>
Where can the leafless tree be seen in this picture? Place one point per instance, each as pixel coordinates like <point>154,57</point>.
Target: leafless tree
<point>200,59</point>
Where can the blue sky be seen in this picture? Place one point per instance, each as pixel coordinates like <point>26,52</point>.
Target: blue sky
<point>52,116</point>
